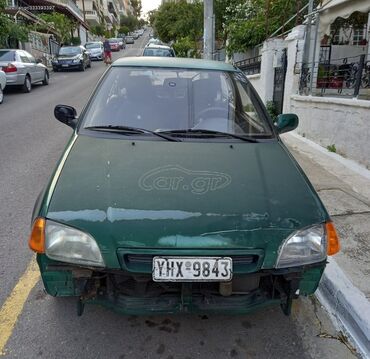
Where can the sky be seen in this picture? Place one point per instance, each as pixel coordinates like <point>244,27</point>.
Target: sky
<point>148,5</point>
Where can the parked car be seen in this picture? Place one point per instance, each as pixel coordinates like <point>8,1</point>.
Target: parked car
<point>22,69</point>
<point>154,41</point>
<point>114,44</point>
<point>96,50</point>
<point>130,40</point>
<point>159,50</point>
<point>121,42</point>
<point>187,201</point>
<point>2,85</point>
<point>71,57</point>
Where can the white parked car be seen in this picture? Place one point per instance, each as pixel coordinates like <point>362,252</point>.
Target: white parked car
<point>22,69</point>
<point>2,85</point>
<point>159,50</point>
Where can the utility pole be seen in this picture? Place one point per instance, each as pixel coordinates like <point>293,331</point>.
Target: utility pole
<point>307,45</point>
<point>208,34</point>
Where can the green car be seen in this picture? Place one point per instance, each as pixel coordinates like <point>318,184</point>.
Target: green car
<point>175,193</point>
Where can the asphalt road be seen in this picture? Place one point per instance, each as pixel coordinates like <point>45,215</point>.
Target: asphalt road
<point>31,141</point>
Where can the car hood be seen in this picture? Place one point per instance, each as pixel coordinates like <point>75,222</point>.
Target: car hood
<point>159,194</point>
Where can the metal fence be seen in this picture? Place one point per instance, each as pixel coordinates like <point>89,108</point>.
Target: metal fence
<point>345,77</point>
<point>250,66</point>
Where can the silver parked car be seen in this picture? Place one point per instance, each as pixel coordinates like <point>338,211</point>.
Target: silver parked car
<point>96,50</point>
<point>22,69</point>
<point>2,85</point>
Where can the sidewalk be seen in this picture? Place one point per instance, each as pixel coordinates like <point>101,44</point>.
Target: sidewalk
<point>344,187</point>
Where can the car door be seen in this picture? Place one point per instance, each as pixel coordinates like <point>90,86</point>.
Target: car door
<point>37,70</point>
<point>28,66</point>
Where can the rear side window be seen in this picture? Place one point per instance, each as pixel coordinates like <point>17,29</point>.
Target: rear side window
<point>6,55</point>
<point>23,56</point>
<point>159,52</point>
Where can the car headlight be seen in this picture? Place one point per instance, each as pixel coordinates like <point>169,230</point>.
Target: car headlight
<point>303,247</point>
<point>67,244</point>
<point>76,61</point>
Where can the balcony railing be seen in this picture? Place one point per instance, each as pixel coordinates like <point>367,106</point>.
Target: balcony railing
<point>344,77</point>
<point>71,6</point>
<point>250,66</point>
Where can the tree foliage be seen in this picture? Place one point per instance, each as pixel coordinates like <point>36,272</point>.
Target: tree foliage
<point>130,22</point>
<point>97,30</point>
<point>248,23</point>
<point>64,25</point>
<point>10,32</point>
<point>175,21</point>
<point>137,6</point>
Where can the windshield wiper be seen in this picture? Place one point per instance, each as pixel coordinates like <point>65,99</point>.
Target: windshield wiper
<point>127,130</point>
<point>212,133</point>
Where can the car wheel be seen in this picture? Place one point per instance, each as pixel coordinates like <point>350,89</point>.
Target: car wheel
<point>55,69</point>
<point>27,84</point>
<point>1,95</point>
<point>45,81</point>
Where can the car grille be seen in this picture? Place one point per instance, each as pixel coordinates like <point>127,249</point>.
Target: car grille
<point>142,263</point>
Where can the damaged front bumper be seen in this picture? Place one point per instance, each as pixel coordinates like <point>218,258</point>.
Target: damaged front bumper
<point>137,294</point>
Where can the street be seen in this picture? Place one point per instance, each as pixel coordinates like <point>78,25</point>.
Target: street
<point>31,142</point>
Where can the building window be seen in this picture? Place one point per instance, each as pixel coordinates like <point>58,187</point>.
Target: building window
<point>358,36</point>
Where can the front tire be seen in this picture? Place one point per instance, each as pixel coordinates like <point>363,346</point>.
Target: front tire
<point>45,81</point>
<point>27,86</point>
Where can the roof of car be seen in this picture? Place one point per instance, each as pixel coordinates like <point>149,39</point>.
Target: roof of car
<point>158,46</point>
<point>172,62</point>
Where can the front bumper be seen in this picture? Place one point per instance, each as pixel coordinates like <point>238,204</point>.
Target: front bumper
<point>136,293</point>
<point>66,66</point>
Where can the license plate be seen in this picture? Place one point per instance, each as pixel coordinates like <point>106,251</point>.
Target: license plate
<point>65,65</point>
<point>192,269</point>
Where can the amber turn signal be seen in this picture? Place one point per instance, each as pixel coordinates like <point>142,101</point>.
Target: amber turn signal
<point>333,240</point>
<point>37,237</point>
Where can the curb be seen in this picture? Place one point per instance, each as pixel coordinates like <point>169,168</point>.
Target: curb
<point>347,305</point>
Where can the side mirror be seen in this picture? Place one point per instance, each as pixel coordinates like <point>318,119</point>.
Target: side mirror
<point>66,114</point>
<point>287,122</point>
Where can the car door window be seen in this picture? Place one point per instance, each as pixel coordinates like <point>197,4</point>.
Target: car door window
<point>31,59</point>
<point>23,56</point>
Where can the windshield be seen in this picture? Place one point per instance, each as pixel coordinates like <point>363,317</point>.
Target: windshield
<point>177,99</point>
<point>158,52</point>
<point>69,51</point>
<point>93,46</point>
<point>113,41</point>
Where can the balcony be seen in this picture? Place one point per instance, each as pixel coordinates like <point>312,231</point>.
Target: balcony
<point>70,6</point>
<point>112,7</point>
<point>108,17</point>
<point>92,17</point>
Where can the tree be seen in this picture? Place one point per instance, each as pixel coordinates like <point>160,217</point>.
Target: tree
<point>175,21</point>
<point>64,25</point>
<point>130,21</point>
<point>98,30</point>
<point>248,23</point>
<point>10,32</point>
<point>137,6</point>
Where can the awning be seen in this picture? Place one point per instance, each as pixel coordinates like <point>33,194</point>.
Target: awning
<point>331,9</point>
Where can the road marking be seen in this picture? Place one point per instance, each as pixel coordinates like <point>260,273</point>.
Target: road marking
<point>14,304</point>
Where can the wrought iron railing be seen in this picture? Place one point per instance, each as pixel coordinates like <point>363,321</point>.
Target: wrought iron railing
<point>250,66</point>
<point>345,77</point>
